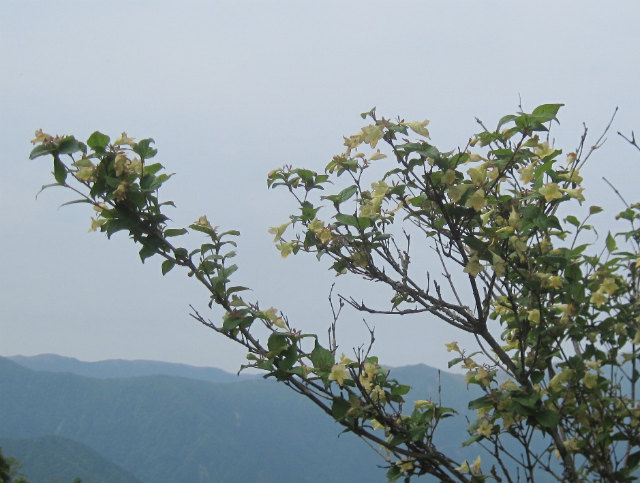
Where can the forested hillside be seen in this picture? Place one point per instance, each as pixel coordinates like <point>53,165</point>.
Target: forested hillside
<point>56,459</point>
<point>177,429</point>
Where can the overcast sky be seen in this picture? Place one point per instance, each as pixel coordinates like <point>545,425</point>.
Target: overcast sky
<point>230,90</point>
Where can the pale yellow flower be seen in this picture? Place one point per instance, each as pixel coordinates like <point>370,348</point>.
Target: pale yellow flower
<point>598,298</point>
<point>555,281</point>
<point>378,394</point>
<point>371,135</point>
<point>527,172</point>
<point>452,346</point>
<point>478,175</point>
<point>473,266</point>
<point>339,373</point>
<point>457,192</point>
<point>405,465</point>
<point>590,380</point>
<point>85,173</point>
<point>96,223</point>
<point>476,466</point>
<point>124,139</point>
<point>550,191</point>
<point>202,221</point>
<point>476,200</point>
<point>120,193</point>
<point>609,286</point>
<point>418,127</point>
<point>498,264</point>
<point>120,163</point>
<point>377,155</point>
<point>41,137</point>
<point>485,428</point>
<point>543,150</point>
<point>278,231</point>
<point>575,193</point>
<point>449,177</point>
<point>422,403</point>
<point>285,249</point>
<point>509,385</point>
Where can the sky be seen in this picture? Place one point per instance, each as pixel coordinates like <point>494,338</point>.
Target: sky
<point>230,90</point>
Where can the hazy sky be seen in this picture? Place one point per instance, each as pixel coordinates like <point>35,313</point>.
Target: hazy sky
<point>230,90</point>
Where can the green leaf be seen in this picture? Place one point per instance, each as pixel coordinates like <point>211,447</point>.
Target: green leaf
<point>69,145</point>
<point>289,359</point>
<point>115,225</point>
<point>573,220</point>
<point>529,401</point>
<point>146,251</point>
<point>473,439</point>
<point>361,222</point>
<point>144,150</point>
<point>204,229</point>
<point>265,365</point>
<point>339,408</point>
<point>611,243</point>
<point>504,120</point>
<point>481,402</point>
<point>537,376</point>
<point>181,253</point>
<point>152,168</point>
<point>594,209</point>
<point>167,265</point>
<point>231,323</point>
<point>572,272</point>
<point>393,473</point>
<point>347,193</point>
<point>305,174</point>
<point>322,358</point>
<point>370,113</point>
<point>548,418</point>
<point>277,342</point>
<point>59,170</point>
<point>400,390</point>
<point>546,112</point>
<point>228,271</point>
<point>157,181</point>
<point>349,220</point>
<point>364,222</point>
<point>633,460</point>
<point>41,150</point>
<point>308,211</point>
<point>237,288</point>
<point>98,141</point>
<point>74,202</point>
<point>174,232</point>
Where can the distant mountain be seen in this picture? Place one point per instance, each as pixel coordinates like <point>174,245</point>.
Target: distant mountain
<point>177,429</point>
<point>118,368</point>
<point>423,379</point>
<point>53,459</point>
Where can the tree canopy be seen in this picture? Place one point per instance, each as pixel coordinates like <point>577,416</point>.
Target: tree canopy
<point>10,470</point>
<point>555,315</point>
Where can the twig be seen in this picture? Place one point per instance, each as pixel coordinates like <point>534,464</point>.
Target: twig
<point>616,191</point>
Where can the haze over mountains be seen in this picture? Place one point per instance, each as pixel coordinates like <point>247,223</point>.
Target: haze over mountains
<point>121,421</point>
<point>117,368</point>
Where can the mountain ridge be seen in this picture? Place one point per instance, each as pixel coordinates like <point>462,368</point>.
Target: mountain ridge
<point>123,368</point>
